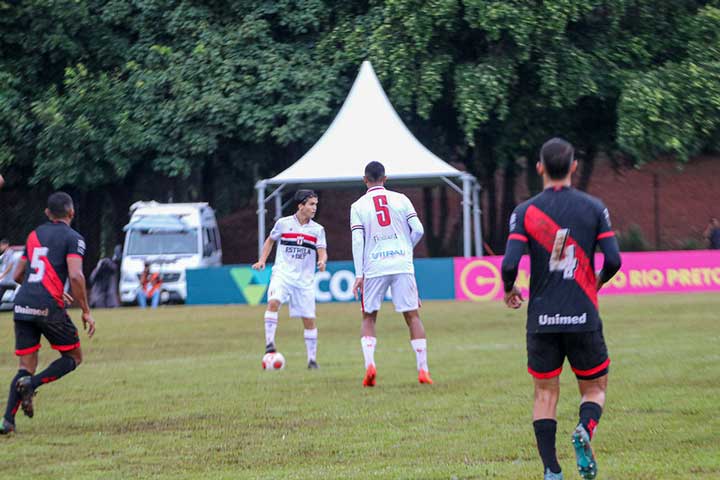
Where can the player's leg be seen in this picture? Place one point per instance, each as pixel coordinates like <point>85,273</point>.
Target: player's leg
<point>27,344</point>
<point>589,360</point>
<point>141,298</point>
<point>63,336</point>
<point>277,295</point>
<point>302,304</point>
<point>406,300</point>
<point>545,359</point>
<point>374,290</point>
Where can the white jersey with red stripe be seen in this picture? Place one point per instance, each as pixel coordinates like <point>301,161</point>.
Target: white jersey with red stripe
<point>296,256</point>
<point>383,217</point>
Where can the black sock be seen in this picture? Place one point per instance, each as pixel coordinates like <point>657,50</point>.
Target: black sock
<point>60,367</point>
<point>13,398</point>
<point>545,430</point>
<point>590,413</point>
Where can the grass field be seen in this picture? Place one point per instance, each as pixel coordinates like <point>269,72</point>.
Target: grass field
<point>179,393</point>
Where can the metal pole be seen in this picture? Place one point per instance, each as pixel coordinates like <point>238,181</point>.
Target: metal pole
<point>260,187</point>
<point>278,207</point>
<point>477,230</point>
<point>467,245</point>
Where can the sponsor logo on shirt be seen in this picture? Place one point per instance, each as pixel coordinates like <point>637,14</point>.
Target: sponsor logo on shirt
<point>380,238</point>
<point>31,311</point>
<point>387,253</point>
<point>558,319</point>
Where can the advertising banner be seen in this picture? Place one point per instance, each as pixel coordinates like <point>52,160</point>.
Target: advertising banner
<point>479,279</point>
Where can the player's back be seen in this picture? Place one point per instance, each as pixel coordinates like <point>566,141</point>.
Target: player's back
<point>562,227</point>
<point>47,249</point>
<point>383,216</point>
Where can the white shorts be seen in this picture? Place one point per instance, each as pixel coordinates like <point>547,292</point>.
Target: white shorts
<point>301,300</point>
<point>402,287</point>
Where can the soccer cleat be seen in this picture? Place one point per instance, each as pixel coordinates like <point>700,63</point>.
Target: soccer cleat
<point>27,392</point>
<point>552,476</point>
<point>583,453</point>
<point>270,348</point>
<point>370,374</point>
<point>313,365</point>
<point>424,377</point>
<point>7,427</point>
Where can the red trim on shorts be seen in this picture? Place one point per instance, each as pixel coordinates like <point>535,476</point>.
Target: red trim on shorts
<point>74,255</point>
<point>543,229</point>
<point>27,351</point>
<point>606,235</point>
<point>304,236</point>
<point>592,371</point>
<point>517,236</point>
<point>65,348</point>
<point>552,374</point>
<point>23,257</point>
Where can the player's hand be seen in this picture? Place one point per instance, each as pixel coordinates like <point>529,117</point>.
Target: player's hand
<point>67,298</point>
<point>259,266</point>
<point>321,265</point>
<point>88,324</point>
<point>358,287</point>
<point>513,298</point>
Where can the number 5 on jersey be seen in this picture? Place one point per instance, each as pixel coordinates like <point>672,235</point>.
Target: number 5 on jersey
<point>563,259</point>
<point>37,263</point>
<point>382,211</point>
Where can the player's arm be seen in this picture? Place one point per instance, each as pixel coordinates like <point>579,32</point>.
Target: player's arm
<point>19,274</point>
<point>275,235</point>
<point>609,246</point>
<point>358,251</point>
<point>416,228</point>
<point>77,285</point>
<point>322,251</point>
<point>515,249</point>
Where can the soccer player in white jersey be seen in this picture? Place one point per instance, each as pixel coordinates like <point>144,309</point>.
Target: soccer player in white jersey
<point>302,248</point>
<point>385,229</point>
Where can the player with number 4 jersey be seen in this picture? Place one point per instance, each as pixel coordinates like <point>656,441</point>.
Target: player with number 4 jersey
<point>54,252</point>
<point>385,229</point>
<point>562,227</point>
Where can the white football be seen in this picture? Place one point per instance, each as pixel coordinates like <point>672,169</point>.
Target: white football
<point>273,361</point>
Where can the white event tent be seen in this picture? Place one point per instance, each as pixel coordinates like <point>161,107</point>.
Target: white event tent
<point>368,128</point>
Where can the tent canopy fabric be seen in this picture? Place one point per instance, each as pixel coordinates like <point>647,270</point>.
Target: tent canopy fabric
<point>366,128</point>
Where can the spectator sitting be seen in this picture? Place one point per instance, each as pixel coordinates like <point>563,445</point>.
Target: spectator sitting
<point>150,284</point>
<point>104,281</point>
<point>712,233</point>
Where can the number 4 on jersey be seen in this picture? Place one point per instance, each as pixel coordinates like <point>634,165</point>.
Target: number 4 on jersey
<point>562,259</point>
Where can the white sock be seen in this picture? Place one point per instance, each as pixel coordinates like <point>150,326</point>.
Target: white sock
<point>368,348</point>
<point>420,347</point>
<point>271,322</point>
<point>311,340</point>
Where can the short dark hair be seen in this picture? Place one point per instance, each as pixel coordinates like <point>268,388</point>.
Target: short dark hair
<point>374,171</point>
<point>302,196</point>
<point>59,204</point>
<point>557,155</point>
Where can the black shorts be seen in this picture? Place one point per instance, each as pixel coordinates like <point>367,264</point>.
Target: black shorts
<point>586,352</point>
<point>56,327</point>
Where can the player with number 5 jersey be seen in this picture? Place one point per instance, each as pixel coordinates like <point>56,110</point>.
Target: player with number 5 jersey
<point>385,229</point>
<point>55,253</point>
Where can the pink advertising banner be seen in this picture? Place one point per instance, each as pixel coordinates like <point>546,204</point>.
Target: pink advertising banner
<point>478,279</point>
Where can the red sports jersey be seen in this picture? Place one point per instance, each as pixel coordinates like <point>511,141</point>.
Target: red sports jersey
<point>47,249</point>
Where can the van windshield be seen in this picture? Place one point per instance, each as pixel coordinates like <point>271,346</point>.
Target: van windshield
<point>143,242</point>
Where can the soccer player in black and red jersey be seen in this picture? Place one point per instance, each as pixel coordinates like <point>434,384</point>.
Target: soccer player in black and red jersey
<point>562,227</point>
<point>55,252</point>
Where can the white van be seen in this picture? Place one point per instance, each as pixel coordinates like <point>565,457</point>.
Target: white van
<point>172,237</point>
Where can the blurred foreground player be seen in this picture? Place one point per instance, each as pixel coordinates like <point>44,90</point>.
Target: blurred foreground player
<point>562,228</point>
<point>55,252</point>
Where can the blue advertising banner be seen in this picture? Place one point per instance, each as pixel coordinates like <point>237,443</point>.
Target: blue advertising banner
<point>241,284</point>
